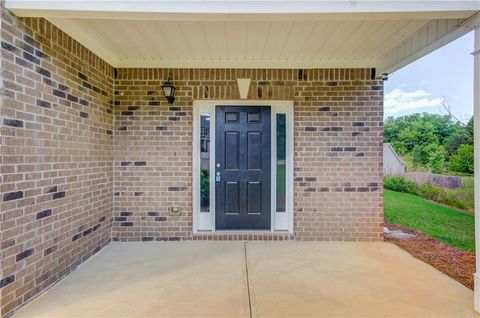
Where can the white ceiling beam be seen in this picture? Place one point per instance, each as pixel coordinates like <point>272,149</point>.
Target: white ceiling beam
<point>226,62</point>
<point>435,35</point>
<point>244,10</point>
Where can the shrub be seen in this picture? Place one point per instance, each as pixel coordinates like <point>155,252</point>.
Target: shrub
<point>451,199</point>
<point>462,159</point>
<point>431,192</point>
<point>426,191</point>
<point>400,184</point>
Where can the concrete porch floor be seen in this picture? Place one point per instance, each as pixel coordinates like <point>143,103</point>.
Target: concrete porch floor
<point>270,279</point>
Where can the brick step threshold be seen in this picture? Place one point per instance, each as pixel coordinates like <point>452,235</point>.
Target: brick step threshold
<point>243,236</point>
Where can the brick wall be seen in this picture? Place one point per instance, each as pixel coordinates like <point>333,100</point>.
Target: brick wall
<point>56,164</point>
<point>338,149</point>
<point>86,146</point>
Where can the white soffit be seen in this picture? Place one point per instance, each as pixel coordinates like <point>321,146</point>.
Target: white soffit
<point>437,34</point>
<point>263,34</point>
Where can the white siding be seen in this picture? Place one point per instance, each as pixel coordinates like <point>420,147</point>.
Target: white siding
<point>392,164</point>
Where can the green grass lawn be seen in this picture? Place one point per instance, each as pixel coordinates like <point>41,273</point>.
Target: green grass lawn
<point>465,193</point>
<point>450,226</point>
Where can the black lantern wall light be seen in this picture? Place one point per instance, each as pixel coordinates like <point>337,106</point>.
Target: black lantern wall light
<point>169,91</point>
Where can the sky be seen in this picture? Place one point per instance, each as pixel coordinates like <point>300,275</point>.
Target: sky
<point>422,85</point>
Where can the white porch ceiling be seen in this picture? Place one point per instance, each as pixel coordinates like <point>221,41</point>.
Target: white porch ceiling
<point>256,43</point>
<point>211,36</point>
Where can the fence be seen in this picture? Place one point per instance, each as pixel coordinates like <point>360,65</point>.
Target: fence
<point>442,181</point>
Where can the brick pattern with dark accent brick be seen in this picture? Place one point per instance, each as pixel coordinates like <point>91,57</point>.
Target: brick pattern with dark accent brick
<point>338,138</point>
<point>7,280</point>
<point>12,196</point>
<point>44,214</point>
<point>43,103</point>
<point>78,132</point>
<point>58,195</point>
<point>42,97</point>
<point>13,123</point>
<point>22,255</point>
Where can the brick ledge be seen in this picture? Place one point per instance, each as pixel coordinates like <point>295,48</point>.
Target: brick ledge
<point>243,236</point>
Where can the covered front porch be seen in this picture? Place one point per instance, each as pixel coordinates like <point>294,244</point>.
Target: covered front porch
<point>95,155</point>
<point>253,279</point>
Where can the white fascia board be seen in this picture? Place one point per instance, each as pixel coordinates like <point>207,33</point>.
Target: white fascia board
<point>184,9</point>
<point>422,42</point>
<point>154,16</point>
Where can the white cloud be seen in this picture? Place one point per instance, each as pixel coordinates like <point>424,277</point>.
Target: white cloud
<point>398,100</point>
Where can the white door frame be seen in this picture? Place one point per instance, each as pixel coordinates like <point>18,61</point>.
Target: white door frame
<point>205,221</point>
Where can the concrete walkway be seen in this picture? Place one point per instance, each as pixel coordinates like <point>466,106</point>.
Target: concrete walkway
<point>271,279</point>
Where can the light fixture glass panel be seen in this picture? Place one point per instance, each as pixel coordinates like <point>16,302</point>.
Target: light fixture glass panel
<point>167,90</point>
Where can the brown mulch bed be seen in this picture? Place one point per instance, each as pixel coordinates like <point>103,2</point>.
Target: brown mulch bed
<point>457,264</point>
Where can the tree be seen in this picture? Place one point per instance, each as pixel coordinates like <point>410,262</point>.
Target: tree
<point>432,156</point>
<point>427,139</point>
<point>419,155</point>
<point>462,160</point>
<point>454,141</point>
<point>436,159</point>
<point>469,130</point>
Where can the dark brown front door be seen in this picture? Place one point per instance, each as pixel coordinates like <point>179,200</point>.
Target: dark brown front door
<point>242,173</point>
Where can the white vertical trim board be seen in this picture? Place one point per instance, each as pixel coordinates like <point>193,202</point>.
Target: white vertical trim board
<point>282,221</point>
<point>205,221</point>
<point>476,135</point>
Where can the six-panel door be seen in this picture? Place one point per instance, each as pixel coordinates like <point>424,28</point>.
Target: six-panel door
<point>242,167</point>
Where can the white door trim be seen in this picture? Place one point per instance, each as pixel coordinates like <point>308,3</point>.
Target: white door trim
<point>205,221</point>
